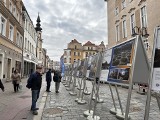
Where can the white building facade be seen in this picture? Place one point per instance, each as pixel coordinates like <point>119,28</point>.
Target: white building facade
<point>30,45</point>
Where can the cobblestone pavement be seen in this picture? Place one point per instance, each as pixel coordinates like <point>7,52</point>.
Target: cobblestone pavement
<point>62,106</point>
<point>16,106</point>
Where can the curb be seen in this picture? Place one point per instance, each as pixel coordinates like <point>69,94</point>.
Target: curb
<point>41,107</point>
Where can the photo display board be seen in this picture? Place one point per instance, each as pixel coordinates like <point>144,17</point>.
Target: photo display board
<point>75,68</point>
<point>121,61</point>
<point>80,68</point>
<point>93,66</point>
<point>105,65</point>
<point>88,65</point>
<point>156,64</point>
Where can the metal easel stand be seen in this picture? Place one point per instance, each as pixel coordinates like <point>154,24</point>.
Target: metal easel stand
<point>114,110</point>
<point>67,82</point>
<point>85,91</point>
<point>119,115</point>
<point>98,99</point>
<point>81,101</point>
<point>90,112</point>
<point>73,92</point>
<point>93,116</point>
<point>80,86</point>
<point>70,81</point>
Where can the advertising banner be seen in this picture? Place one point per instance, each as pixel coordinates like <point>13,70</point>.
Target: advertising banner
<point>156,64</point>
<point>121,61</point>
<point>105,65</point>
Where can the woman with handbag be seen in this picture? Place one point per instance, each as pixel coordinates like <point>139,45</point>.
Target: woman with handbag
<point>57,79</point>
<point>16,79</point>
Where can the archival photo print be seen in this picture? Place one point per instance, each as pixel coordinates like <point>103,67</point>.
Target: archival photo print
<point>122,54</point>
<point>157,58</point>
<point>119,75</point>
<point>93,67</point>
<point>105,65</point>
<point>81,68</point>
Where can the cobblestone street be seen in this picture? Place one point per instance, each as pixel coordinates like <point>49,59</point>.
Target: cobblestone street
<point>62,106</point>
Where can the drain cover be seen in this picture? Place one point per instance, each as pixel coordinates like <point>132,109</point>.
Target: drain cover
<point>135,109</point>
<point>52,112</point>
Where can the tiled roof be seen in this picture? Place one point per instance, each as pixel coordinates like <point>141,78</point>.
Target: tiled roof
<point>88,44</point>
<point>74,41</point>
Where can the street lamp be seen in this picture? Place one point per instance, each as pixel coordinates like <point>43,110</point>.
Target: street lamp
<point>143,32</point>
<point>140,31</point>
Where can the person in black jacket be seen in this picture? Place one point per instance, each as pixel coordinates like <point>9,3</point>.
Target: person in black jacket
<point>57,79</point>
<point>1,85</point>
<point>35,82</point>
<point>48,80</point>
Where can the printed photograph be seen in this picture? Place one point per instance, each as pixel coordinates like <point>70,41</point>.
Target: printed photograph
<point>122,54</point>
<point>157,58</point>
<point>106,59</point>
<point>120,75</point>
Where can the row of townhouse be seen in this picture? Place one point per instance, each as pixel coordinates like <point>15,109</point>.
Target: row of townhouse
<point>20,42</point>
<point>76,51</point>
<point>127,18</point>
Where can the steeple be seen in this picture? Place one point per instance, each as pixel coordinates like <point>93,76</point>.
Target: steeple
<point>38,25</point>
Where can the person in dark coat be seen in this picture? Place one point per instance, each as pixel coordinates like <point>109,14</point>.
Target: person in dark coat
<point>1,85</point>
<point>35,82</point>
<point>48,80</point>
<point>57,79</point>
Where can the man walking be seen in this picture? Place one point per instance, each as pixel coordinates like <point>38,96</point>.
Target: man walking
<point>48,80</point>
<point>35,82</point>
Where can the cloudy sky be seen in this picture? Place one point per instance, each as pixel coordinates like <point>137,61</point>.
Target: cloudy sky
<point>65,20</point>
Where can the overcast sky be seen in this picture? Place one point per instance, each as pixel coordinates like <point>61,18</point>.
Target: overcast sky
<point>65,20</point>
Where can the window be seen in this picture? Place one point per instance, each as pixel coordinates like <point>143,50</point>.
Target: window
<point>21,41</point>
<point>3,26</point>
<point>88,48</point>
<point>11,30</point>
<point>86,54</point>
<point>74,53</point>
<point>124,29</point>
<point>117,33</point>
<point>69,60</point>
<point>28,45</point>
<point>17,39</point>
<point>79,54</point>
<point>10,6</point>
<point>5,2</point>
<point>144,16</point>
<point>123,4</point>
<point>116,11</point>
<point>25,46</point>
<point>75,47</point>
<point>132,22</point>
<point>14,11</point>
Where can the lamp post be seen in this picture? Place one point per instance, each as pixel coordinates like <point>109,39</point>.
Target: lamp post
<point>143,32</point>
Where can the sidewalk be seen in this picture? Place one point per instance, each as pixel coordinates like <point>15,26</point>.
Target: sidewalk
<point>62,106</point>
<point>16,106</point>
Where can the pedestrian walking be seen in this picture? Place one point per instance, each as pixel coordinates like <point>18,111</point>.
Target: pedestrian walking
<point>34,82</point>
<point>1,85</point>
<point>16,79</point>
<point>48,80</point>
<point>57,79</point>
